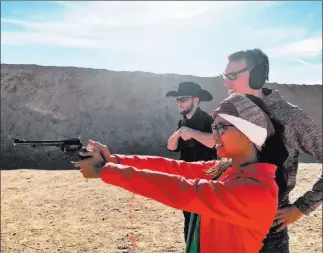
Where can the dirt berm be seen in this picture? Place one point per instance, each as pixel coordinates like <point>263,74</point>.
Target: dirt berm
<point>126,110</point>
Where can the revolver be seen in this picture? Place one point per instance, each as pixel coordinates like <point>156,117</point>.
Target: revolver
<point>70,146</point>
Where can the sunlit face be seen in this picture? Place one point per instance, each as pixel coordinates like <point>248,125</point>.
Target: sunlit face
<point>229,141</point>
<point>237,82</point>
<point>186,104</point>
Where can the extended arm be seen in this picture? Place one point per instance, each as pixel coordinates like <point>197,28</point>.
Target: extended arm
<point>189,170</point>
<point>239,202</point>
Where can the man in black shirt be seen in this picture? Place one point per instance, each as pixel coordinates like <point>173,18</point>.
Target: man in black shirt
<point>191,138</point>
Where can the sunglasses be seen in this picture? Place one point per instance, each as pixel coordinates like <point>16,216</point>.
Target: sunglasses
<point>220,128</point>
<point>234,75</point>
<point>182,99</point>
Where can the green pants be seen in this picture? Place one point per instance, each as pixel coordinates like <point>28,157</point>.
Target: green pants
<point>193,237</point>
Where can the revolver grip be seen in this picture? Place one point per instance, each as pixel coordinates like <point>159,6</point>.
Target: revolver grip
<point>84,157</point>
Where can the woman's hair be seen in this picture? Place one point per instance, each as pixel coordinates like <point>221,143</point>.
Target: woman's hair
<point>274,150</point>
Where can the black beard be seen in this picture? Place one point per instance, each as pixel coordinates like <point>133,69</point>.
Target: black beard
<point>187,111</point>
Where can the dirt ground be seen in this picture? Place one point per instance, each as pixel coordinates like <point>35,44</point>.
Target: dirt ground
<point>58,211</point>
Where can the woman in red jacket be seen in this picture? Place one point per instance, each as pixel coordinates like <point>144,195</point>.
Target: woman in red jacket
<point>236,208</point>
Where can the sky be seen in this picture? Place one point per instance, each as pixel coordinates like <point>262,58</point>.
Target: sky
<point>188,38</point>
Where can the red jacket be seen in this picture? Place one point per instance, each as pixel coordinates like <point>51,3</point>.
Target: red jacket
<point>236,211</point>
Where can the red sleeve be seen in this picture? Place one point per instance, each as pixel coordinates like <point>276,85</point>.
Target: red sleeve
<point>243,201</point>
<point>189,170</point>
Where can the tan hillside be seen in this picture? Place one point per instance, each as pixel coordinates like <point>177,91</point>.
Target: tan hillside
<point>126,110</point>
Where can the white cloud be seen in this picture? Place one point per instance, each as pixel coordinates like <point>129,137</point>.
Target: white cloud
<point>270,36</point>
<point>68,4</point>
<point>300,74</point>
<point>194,37</point>
<point>34,38</point>
<point>137,13</point>
<point>145,28</point>
<point>131,14</point>
<point>317,67</point>
<point>309,47</point>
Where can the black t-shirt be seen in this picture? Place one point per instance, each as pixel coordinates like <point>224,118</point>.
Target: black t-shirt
<point>192,150</point>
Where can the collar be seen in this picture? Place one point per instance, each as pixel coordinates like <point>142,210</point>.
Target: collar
<point>257,169</point>
<point>271,96</point>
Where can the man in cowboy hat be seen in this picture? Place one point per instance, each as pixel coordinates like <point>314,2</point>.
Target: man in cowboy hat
<point>191,137</point>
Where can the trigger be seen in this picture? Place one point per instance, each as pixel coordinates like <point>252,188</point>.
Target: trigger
<point>84,157</point>
<point>83,149</point>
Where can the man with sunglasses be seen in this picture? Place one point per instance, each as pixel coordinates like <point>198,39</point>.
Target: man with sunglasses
<point>246,73</point>
<point>192,137</point>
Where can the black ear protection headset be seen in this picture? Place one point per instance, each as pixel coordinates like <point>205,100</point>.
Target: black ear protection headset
<point>259,71</point>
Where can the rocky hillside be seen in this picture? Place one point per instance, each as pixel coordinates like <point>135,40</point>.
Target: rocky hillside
<point>126,110</point>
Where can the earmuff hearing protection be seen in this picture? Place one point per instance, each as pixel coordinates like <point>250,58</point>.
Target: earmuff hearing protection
<point>260,69</point>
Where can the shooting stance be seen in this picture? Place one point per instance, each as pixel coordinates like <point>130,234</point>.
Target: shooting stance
<point>193,136</point>
<point>235,208</point>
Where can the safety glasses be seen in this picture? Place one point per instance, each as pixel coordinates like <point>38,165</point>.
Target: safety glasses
<point>233,75</point>
<point>220,128</point>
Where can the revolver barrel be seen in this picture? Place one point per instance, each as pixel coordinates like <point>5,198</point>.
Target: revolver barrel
<point>71,146</point>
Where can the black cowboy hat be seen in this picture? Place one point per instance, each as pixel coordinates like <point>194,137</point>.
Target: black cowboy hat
<point>190,89</point>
